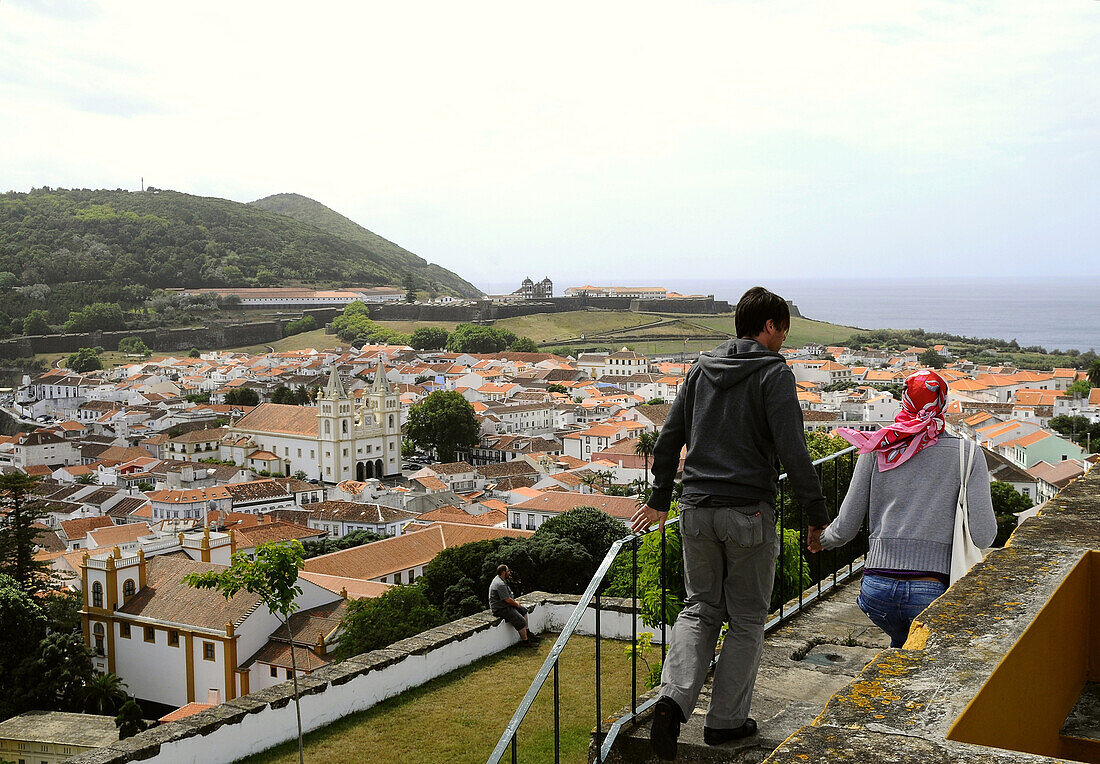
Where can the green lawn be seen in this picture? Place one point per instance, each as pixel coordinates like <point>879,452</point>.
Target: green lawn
<point>550,327</point>
<point>460,716</point>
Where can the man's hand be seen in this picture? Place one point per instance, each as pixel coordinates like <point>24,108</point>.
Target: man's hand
<point>813,543</point>
<point>645,517</point>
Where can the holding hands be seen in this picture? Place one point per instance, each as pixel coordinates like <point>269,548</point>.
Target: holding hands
<point>813,543</point>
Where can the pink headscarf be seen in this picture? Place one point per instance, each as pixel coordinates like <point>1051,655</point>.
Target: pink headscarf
<point>917,426</point>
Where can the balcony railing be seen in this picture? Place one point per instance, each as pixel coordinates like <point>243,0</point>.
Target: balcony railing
<point>799,582</point>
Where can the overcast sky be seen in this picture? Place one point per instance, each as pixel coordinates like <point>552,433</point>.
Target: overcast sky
<point>620,142</point>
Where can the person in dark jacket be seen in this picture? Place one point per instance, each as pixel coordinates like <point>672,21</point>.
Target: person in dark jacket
<point>737,414</point>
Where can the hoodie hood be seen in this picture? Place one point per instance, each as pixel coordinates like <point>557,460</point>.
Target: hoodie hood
<point>736,360</point>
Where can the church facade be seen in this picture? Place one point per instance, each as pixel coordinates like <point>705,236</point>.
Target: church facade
<point>337,439</point>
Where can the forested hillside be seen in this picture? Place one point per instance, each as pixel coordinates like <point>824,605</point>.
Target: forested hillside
<point>309,211</point>
<point>61,250</point>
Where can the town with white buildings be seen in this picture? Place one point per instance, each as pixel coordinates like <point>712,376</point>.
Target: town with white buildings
<point>147,474</point>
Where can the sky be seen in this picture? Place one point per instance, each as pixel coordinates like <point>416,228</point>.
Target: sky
<point>609,142</point>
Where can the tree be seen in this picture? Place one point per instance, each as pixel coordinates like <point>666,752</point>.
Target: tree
<point>448,569</point>
<point>62,609</point>
<point>105,694</point>
<point>545,563</point>
<point>523,345</point>
<point>62,671</point>
<point>242,396</point>
<point>409,283</point>
<point>272,577</point>
<point>473,338</point>
<point>23,625</point>
<point>284,395</point>
<point>644,448</point>
<point>444,421</point>
<point>102,316</point>
<point>1094,373</point>
<point>1079,388</point>
<point>621,579</point>
<point>84,360</point>
<point>303,324</point>
<point>1080,429</point>
<point>592,528</point>
<point>1007,501</point>
<point>129,720</point>
<point>429,338</point>
<point>36,322</point>
<point>18,536</point>
<point>556,388</point>
<point>133,346</point>
<point>347,541</point>
<point>88,478</point>
<point>402,611</point>
<point>194,353</point>
<point>931,359</point>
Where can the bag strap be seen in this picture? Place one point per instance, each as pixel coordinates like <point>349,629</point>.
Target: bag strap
<point>966,463</point>
<point>963,471</point>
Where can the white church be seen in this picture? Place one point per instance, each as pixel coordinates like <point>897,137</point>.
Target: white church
<point>337,439</point>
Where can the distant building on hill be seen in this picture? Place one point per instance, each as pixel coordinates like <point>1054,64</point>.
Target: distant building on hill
<point>535,290</point>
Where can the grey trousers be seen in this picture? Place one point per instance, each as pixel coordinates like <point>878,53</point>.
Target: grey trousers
<point>729,569</point>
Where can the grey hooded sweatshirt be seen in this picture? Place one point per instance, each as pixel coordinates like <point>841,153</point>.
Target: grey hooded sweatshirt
<point>737,412</point>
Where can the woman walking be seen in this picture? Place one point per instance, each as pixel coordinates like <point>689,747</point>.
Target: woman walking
<point>906,484</point>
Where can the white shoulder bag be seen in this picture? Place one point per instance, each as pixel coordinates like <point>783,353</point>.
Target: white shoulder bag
<point>964,552</point>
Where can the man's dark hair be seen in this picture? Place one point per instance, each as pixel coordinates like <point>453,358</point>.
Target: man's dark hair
<point>756,307</point>
<point>501,568</point>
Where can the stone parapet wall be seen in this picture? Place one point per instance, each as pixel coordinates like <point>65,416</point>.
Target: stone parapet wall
<point>920,703</point>
<point>160,339</point>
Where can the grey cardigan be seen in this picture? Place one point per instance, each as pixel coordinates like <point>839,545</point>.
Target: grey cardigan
<point>911,508</point>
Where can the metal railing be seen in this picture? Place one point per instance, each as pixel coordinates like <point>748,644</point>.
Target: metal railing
<point>792,599</point>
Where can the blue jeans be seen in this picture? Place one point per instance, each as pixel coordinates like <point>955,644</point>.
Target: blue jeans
<point>892,603</point>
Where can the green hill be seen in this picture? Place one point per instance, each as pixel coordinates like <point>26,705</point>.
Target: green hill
<point>316,214</point>
<point>63,249</point>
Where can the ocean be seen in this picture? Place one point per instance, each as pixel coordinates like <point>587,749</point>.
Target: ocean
<point>1061,314</point>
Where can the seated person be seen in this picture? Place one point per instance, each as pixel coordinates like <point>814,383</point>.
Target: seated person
<point>503,605</point>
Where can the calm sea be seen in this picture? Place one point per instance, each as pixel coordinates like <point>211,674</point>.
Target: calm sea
<point>1062,314</point>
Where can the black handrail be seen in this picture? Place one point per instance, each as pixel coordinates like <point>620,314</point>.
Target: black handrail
<point>591,596</point>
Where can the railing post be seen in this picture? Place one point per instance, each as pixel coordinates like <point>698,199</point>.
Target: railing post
<point>634,627</point>
<point>836,508</point>
<point>820,472</point>
<point>664,588</point>
<point>782,566</point>
<point>557,721</point>
<point>599,687</point>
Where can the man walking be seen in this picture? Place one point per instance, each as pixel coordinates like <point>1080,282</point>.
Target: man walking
<point>503,605</point>
<point>737,412</point>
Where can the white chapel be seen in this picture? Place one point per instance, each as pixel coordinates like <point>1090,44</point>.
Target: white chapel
<point>337,439</point>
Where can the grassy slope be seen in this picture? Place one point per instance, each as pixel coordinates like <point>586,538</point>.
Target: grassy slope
<point>555,327</point>
<point>459,717</point>
<point>316,214</point>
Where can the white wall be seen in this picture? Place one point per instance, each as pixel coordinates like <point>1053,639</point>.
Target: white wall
<point>155,670</point>
<point>271,726</point>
